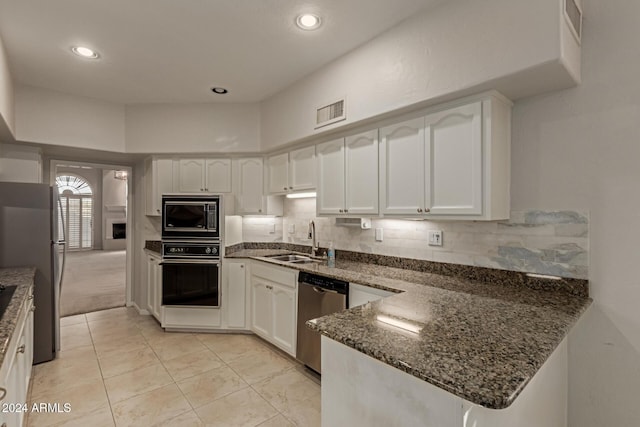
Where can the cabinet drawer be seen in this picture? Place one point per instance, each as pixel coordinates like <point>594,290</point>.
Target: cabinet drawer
<point>284,276</point>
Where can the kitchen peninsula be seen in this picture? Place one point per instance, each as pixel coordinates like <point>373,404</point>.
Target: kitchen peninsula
<point>476,337</point>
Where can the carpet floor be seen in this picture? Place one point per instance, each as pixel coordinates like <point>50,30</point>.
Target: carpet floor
<point>93,280</point>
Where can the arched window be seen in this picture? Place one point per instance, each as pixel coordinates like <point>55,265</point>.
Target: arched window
<point>76,198</point>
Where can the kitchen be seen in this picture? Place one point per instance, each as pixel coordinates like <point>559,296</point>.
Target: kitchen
<point>571,151</point>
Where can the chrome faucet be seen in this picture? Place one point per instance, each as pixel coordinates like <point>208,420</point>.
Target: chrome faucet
<point>312,236</point>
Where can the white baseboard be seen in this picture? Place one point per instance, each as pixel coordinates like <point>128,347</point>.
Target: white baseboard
<point>140,310</point>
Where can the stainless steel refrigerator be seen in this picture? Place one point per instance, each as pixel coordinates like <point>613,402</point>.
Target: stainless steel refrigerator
<point>29,223</point>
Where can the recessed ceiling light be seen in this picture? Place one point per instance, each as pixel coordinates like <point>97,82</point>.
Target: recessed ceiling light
<point>308,21</point>
<point>219,90</point>
<point>85,52</point>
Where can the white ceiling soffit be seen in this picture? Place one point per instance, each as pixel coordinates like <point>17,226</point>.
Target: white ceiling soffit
<point>156,51</point>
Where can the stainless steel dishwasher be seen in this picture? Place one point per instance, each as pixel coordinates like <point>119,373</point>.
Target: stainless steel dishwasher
<point>317,297</point>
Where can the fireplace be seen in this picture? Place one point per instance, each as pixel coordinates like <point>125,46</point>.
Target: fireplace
<point>119,230</point>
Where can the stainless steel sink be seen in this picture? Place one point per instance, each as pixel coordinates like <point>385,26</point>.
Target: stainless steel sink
<point>293,259</point>
<point>289,258</point>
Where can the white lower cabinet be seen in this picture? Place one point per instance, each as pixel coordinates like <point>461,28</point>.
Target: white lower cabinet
<point>359,294</point>
<point>274,304</point>
<point>154,286</point>
<point>15,372</point>
<point>234,294</point>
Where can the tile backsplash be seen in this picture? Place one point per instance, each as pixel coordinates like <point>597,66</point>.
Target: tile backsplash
<point>535,241</point>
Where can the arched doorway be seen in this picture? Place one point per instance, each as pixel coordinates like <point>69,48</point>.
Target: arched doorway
<point>76,197</point>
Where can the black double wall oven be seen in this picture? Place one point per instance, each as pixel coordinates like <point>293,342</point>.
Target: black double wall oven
<point>191,246</point>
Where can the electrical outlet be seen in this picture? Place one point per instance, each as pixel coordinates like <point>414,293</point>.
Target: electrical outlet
<point>292,228</point>
<point>272,228</point>
<point>378,234</point>
<point>435,238</point>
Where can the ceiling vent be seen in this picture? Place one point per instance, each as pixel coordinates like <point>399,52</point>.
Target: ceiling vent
<point>331,113</point>
<point>573,14</point>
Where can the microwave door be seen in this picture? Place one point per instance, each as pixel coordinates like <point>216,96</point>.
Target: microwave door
<point>185,216</point>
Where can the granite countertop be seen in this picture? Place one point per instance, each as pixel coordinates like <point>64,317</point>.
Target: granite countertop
<point>479,340</point>
<point>22,277</point>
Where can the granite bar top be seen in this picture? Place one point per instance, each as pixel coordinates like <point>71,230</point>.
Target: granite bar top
<point>153,246</point>
<point>23,278</point>
<point>480,339</point>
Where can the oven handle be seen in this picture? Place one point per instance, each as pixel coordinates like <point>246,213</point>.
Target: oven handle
<point>190,261</point>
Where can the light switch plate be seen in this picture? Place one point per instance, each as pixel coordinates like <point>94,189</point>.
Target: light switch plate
<point>435,238</point>
<point>378,234</point>
<point>292,228</point>
<point>272,228</point>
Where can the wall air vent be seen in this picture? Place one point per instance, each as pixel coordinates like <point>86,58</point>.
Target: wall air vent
<point>573,14</point>
<point>330,113</point>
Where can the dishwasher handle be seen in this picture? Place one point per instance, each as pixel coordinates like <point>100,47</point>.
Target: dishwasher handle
<point>319,290</point>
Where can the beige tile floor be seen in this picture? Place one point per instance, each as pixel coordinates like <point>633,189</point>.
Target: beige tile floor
<point>118,368</point>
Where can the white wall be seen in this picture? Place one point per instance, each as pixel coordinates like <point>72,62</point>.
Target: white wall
<point>6,97</point>
<point>49,117</point>
<point>192,128</point>
<point>20,163</point>
<point>579,149</point>
<point>456,48</point>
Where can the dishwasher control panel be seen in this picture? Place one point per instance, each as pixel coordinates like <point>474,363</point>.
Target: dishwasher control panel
<point>323,282</point>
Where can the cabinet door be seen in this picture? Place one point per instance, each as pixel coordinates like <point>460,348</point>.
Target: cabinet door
<point>236,295</point>
<point>151,284</point>
<point>402,162</point>
<point>454,161</point>
<point>302,169</point>
<point>330,158</point>
<point>191,175</point>
<point>284,318</point>
<point>278,171</point>
<point>261,315</point>
<point>158,179</point>
<point>157,285</point>
<point>250,186</point>
<point>361,157</point>
<point>164,180</point>
<point>218,175</point>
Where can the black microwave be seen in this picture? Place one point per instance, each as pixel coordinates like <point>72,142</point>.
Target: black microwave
<point>187,216</point>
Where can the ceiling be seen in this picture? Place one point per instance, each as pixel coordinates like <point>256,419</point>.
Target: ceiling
<point>174,51</point>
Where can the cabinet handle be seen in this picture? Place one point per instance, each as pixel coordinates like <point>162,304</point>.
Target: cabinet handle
<point>290,188</point>
<point>285,188</point>
<point>206,189</point>
<point>346,210</point>
<point>21,349</point>
<point>419,210</point>
<point>158,210</point>
<point>259,210</point>
<point>427,210</point>
<point>202,189</point>
<point>341,210</point>
<point>3,392</point>
<point>242,266</point>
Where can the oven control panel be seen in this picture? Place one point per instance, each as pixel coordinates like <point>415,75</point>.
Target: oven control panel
<point>190,250</point>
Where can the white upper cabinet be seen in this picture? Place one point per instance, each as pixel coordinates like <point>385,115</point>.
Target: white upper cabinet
<point>361,173</point>
<point>331,189</point>
<point>293,171</point>
<point>453,174</point>
<point>302,169</point>
<point>278,167</point>
<point>158,179</point>
<point>208,175</point>
<point>402,167</point>
<point>250,186</point>
<point>450,164</point>
<point>218,175</point>
<point>348,175</point>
